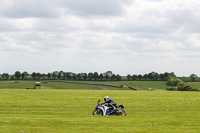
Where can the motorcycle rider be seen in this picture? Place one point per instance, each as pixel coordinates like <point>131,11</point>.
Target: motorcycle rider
<point>111,104</point>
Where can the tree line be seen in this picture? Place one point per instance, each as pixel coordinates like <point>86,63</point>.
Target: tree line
<point>61,75</point>
<point>152,76</point>
<point>92,76</point>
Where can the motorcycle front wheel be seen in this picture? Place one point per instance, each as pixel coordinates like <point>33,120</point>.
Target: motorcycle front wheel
<point>97,112</point>
<point>123,112</point>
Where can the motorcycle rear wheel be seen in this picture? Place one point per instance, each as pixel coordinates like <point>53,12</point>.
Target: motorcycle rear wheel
<point>96,112</point>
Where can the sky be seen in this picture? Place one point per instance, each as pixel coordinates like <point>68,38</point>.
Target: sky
<point>124,36</point>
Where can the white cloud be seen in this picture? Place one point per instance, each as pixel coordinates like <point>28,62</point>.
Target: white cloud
<point>95,8</point>
<point>141,35</point>
<point>31,8</point>
<point>194,40</point>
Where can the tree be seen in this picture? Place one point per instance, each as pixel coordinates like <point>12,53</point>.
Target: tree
<point>109,73</point>
<point>145,77</point>
<point>139,77</point>
<point>90,76</point>
<point>78,76</point>
<point>43,76</point>
<point>68,75</point>
<point>74,76</point>
<point>17,74</point>
<point>113,77</point>
<point>84,76</point>
<point>162,76</point>
<point>107,77</point>
<point>12,77</point>
<point>34,75</point>
<point>128,77</point>
<point>24,75</point>
<point>172,80</point>
<point>150,76</point>
<point>5,76</point>
<point>101,76</point>
<point>38,75</point>
<point>60,75</point>
<point>96,76</point>
<point>55,74</point>
<point>49,75</point>
<point>166,75</point>
<point>153,76</point>
<point>64,75</point>
<point>156,75</point>
<point>134,77</point>
<point>193,77</point>
<point>118,77</point>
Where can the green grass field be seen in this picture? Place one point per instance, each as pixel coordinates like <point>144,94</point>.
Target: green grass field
<point>86,85</point>
<point>140,85</point>
<point>64,110</point>
<point>194,84</point>
<point>188,79</point>
<point>50,85</point>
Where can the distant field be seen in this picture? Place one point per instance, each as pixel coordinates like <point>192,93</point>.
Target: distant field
<point>188,79</point>
<point>194,84</point>
<point>86,85</point>
<point>140,85</point>
<point>70,111</point>
<point>49,85</point>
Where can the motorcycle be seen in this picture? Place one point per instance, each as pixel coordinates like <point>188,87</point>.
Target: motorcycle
<point>105,110</point>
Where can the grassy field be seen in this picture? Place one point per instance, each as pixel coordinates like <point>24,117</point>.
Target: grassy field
<point>61,107</point>
<point>86,85</point>
<point>61,111</point>
<point>194,84</point>
<point>188,79</point>
<point>140,85</point>
<point>50,85</point>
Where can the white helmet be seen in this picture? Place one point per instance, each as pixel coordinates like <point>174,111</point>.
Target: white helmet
<point>106,98</point>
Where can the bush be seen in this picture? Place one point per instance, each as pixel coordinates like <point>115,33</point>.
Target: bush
<point>182,86</point>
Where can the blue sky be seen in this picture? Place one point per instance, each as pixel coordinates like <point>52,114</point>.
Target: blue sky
<point>124,36</point>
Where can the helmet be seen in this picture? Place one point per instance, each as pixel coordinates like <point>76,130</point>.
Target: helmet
<point>106,98</point>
